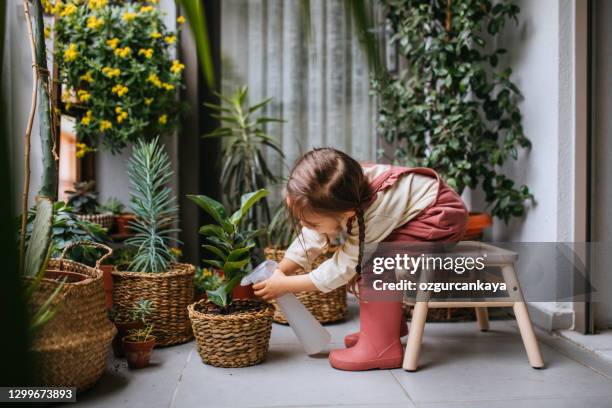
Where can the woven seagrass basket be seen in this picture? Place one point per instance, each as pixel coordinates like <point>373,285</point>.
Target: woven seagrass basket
<point>170,292</point>
<point>232,340</point>
<point>325,307</point>
<point>105,220</point>
<point>72,348</point>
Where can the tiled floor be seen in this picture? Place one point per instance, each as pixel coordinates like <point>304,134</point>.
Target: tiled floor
<point>460,367</point>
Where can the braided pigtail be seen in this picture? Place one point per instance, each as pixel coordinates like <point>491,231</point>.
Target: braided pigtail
<point>352,285</point>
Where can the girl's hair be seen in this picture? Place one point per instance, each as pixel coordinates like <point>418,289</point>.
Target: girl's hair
<point>328,181</point>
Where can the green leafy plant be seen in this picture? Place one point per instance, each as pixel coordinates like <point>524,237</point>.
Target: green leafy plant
<point>206,279</point>
<point>154,205</point>
<point>143,309</point>
<point>115,61</point>
<point>38,252</point>
<point>84,198</point>
<point>244,166</point>
<point>228,242</point>
<point>454,109</point>
<point>113,205</point>
<point>66,229</point>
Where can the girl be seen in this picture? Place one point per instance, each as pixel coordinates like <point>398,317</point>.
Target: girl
<point>330,193</point>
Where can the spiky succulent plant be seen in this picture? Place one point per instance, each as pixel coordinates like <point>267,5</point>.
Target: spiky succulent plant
<point>154,205</point>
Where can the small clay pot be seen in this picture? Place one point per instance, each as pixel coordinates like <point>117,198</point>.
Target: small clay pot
<point>477,223</point>
<point>123,329</point>
<point>107,278</point>
<point>122,222</point>
<point>138,353</point>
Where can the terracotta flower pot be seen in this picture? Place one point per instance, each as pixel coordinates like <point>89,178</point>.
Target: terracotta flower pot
<point>107,278</point>
<point>138,353</point>
<point>477,223</point>
<point>243,292</point>
<point>122,330</point>
<point>122,222</point>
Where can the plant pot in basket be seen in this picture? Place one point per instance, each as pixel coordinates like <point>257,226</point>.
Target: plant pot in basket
<point>138,352</point>
<point>325,307</point>
<point>71,349</point>
<point>235,336</point>
<point>105,220</point>
<point>170,292</point>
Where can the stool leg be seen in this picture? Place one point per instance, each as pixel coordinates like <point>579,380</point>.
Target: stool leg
<point>415,336</point>
<point>529,338</point>
<point>482,315</point>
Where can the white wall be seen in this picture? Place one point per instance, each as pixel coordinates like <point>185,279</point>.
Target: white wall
<point>540,52</point>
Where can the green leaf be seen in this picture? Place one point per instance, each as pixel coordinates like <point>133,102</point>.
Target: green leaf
<point>194,11</point>
<point>40,239</point>
<point>214,230</point>
<point>215,250</point>
<point>212,207</point>
<point>236,254</point>
<point>246,202</point>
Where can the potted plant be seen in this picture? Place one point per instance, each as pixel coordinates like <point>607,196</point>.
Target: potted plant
<point>206,279</point>
<point>230,332</point>
<point>67,229</point>
<point>84,202</point>
<point>463,119</point>
<point>121,88</point>
<point>134,339</point>
<point>71,332</point>
<point>245,168</point>
<point>152,271</point>
<point>325,307</point>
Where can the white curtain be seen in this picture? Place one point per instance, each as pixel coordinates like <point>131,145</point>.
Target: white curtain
<point>318,80</point>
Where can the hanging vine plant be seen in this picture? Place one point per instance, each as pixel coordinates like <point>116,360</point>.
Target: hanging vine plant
<point>115,62</point>
<point>454,108</point>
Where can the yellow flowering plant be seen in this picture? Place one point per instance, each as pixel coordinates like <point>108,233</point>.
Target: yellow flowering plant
<point>115,61</point>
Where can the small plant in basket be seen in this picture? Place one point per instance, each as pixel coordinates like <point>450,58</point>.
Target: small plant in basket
<point>83,199</point>
<point>138,344</point>
<point>149,267</point>
<point>221,322</point>
<point>229,243</point>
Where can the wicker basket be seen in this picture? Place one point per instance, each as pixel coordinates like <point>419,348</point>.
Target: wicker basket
<point>232,340</point>
<point>171,292</point>
<point>325,307</point>
<point>105,220</point>
<point>71,349</point>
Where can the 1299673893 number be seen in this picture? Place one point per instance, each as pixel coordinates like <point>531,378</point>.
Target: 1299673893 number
<point>38,394</point>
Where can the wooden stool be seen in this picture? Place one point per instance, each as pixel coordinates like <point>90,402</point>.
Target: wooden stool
<point>495,257</point>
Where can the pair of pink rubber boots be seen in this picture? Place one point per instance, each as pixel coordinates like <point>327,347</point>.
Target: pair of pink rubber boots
<point>377,344</point>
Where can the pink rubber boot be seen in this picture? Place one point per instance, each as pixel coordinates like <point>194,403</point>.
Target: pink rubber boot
<point>351,339</point>
<point>379,344</point>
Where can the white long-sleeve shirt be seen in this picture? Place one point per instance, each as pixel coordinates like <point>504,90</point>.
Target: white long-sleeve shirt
<point>392,208</point>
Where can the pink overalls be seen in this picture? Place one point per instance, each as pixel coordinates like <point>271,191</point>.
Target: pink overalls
<point>377,344</point>
<point>444,220</point>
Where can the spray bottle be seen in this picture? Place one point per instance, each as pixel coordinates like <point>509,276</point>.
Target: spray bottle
<point>307,329</point>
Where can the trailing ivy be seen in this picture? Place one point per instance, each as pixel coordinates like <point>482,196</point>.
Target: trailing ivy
<point>454,108</point>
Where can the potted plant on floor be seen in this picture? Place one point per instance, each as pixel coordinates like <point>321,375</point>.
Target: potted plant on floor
<point>230,332</point>
<point>325,307</point>
<point>83,199</point>
<point>138,343</point>
<point>153,271</point>
<point>463,119</point>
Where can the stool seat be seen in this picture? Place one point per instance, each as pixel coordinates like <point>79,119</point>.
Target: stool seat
<point>495,257</point>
